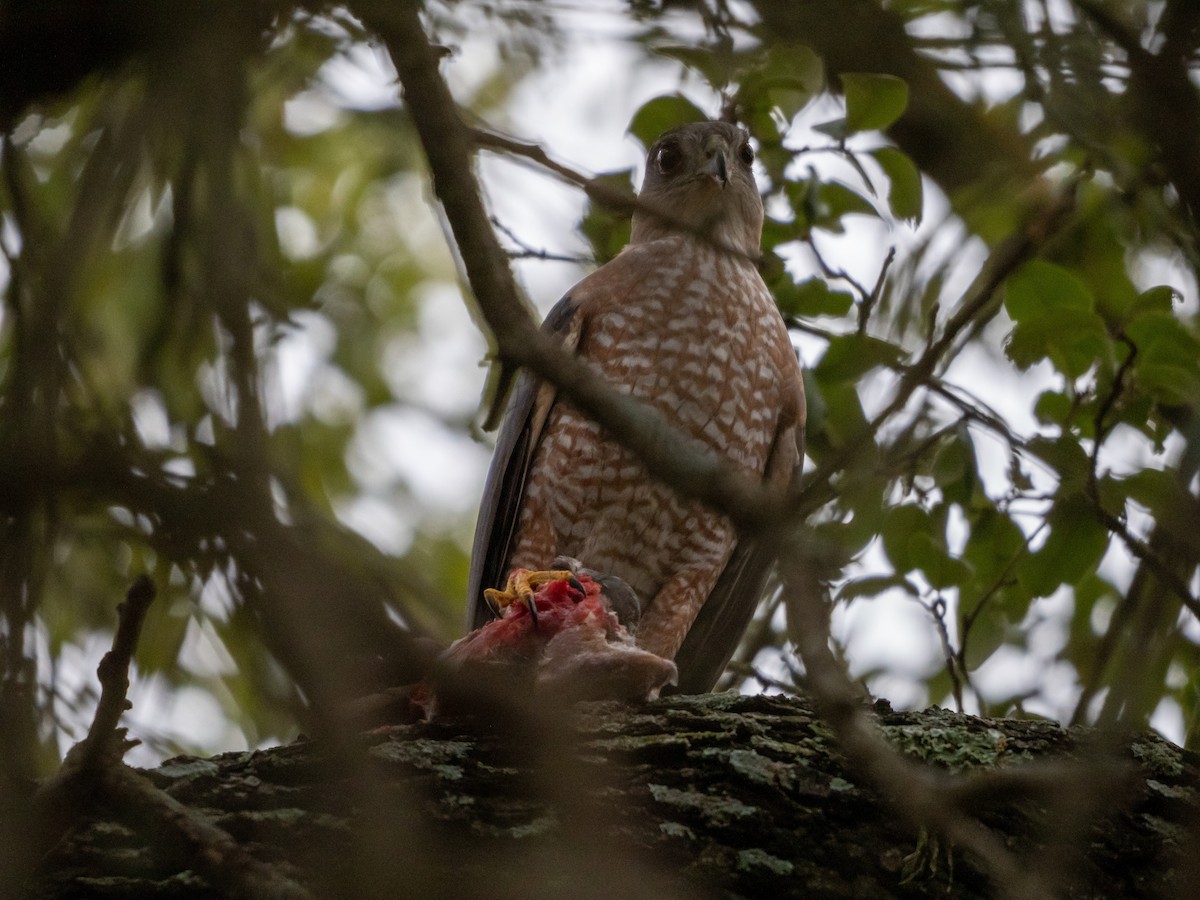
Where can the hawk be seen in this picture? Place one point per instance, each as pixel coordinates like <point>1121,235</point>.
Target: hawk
<point>681,320</point>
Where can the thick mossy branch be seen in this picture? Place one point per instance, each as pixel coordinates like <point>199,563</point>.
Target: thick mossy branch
<point>741,796</point>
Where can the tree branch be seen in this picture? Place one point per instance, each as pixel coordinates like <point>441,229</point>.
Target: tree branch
<point>93,778</point>
<point>676,459</point>
<point>738,796</point>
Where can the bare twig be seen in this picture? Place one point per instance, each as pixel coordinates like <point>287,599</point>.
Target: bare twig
<point>956,671</point>
<point>869,300</point>
<point>525,251</point>
<point>113,673</point>
<point>92,776</point>
<point>618,200</point>
<point>837,274</point>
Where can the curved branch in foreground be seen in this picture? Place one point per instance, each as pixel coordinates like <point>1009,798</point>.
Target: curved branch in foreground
<point>718,794</point>
<point>93,779</point>
<point>676,459</point>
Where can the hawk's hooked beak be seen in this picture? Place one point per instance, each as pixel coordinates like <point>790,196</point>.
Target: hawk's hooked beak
<point>715,166</point>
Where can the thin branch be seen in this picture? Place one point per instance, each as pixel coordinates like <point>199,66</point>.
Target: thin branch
<point>869,300</point>
<point>954,667</point>
<point>676,459</point>
<point>525,251</point>
<point>113,674</point>
<point>617,200</point>
<point>839,274</point>
<point>92,777</point>
<point>620,201</point>
<point>1152,560</point>
<point>748,670</point>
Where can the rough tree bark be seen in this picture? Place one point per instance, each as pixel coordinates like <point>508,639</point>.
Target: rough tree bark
<point>717,795</point>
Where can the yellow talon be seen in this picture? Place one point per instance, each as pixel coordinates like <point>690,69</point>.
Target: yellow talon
<point>521,585</point>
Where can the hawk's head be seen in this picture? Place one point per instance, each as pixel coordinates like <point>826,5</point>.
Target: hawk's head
<point>699,177</point>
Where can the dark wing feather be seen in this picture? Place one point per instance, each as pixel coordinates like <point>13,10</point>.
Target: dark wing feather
<point>504,491</point>
<point>722,620</point>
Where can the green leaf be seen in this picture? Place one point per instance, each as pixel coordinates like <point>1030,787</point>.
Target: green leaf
<point>607,230</point>
<point>900,526</point>
<point>1073,549</point>
<point>811,297</point>
<point>955,469</point>
<point>1167,364</point>
<point>1161,338</point>
<point>1072,339</point>
<point>1153,489</point>
<point>835,128</point>
<point>988,631</point>
<point>873,101</point>
<point>873,586</point>
<point>835,200</point>
<point>1052,408</point>
<point>776,232</point>
<point>905,190</point>
<point>1157,299</point>
<point>1065,456</point>
<point>849,357</point>
<point>1039,286</point>
<point>1055,319</point>
<point>993,546</point>
<point>929,554</point>
<point>1168,384</point>
<point>786,80</point>
<point>1160,494</point>
<point>715,66</point>
<point>662,113</point>
<point>835,414</point>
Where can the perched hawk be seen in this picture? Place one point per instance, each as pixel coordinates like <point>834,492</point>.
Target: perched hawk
<point>681,320</point>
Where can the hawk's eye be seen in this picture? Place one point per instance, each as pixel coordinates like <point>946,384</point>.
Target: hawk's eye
<point>668,158</point>
<point>746,153</point>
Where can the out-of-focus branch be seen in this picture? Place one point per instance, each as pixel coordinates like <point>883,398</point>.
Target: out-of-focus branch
<point>93,777</point>
<point>749,796</point>
<point>1162,81</point>
<point>676,459</point>
<point>914,791</point>
<point>113,672</point>
<point>616,200</point>
<point>61,799</point>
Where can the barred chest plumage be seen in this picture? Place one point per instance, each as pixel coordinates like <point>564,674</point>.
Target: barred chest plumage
<point>693,331</point>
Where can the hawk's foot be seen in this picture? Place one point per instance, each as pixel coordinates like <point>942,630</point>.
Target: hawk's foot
<point>521,585</point>
<point>621,598</point>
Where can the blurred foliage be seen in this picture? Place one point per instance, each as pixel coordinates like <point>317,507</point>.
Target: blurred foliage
<point>1093,499</point>
<point>186,240</point>
<point>173,226</point>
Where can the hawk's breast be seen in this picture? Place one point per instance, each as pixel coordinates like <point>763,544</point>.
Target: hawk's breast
<point>694,332</point>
